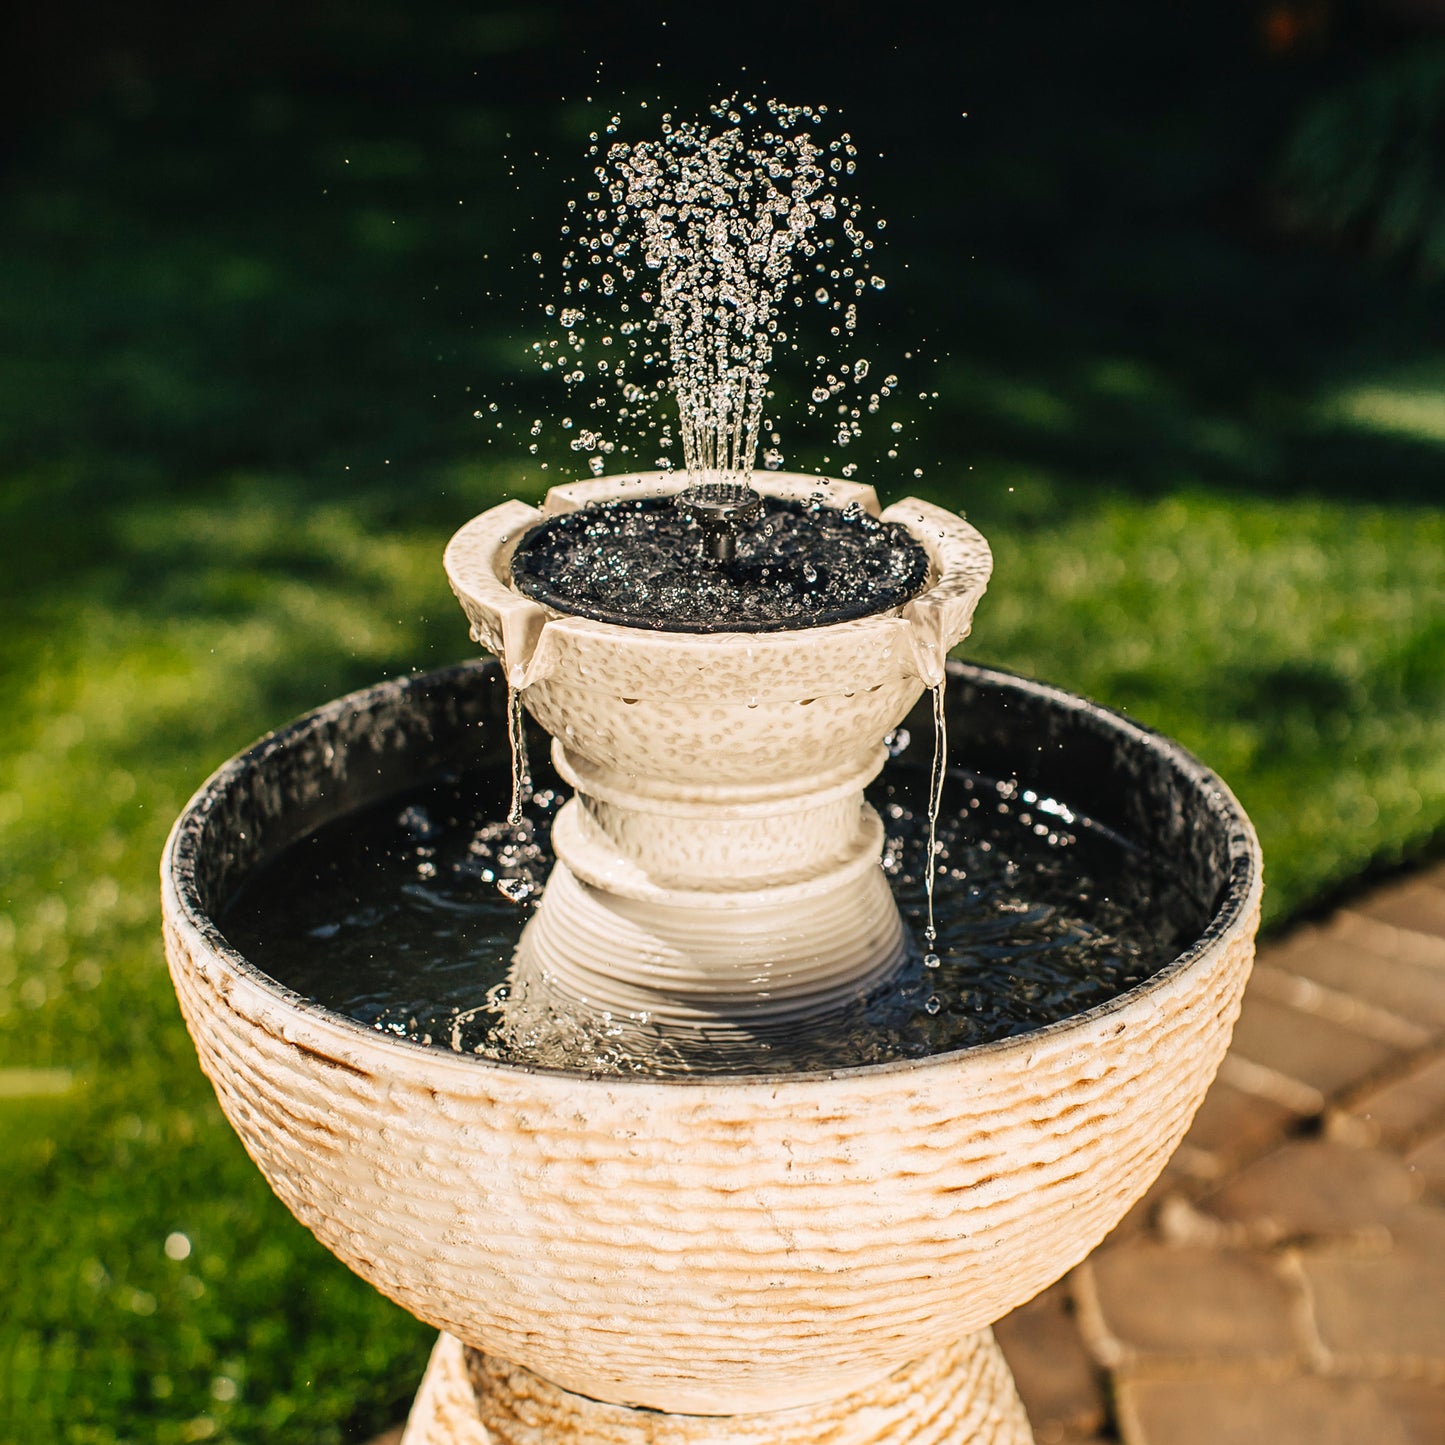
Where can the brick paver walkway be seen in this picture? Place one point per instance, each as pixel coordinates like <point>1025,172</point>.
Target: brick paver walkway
<point>1284,1282</point>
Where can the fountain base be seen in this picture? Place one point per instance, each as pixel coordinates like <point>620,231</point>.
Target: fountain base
<point>962,1394</point>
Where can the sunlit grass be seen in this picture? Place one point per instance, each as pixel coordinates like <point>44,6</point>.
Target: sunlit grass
<point>1406,411</point>
<point>1298,648</point>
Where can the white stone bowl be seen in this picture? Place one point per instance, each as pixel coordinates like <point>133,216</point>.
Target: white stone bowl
<point>724,708</point>
<point>723,1244</point>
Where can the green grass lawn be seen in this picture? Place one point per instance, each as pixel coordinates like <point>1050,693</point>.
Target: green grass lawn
<point>242,338</point>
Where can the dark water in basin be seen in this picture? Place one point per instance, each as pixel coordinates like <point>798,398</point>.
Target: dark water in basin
<point>405,915</point>
<point>640,563</point>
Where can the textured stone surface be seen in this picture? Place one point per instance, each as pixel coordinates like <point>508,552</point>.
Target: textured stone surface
<point>697,957</point>
<point>829,1227</point>
<point>718,832</point>
<point>1154,1301</point>
<point>721,1244</point>
<point>1314,1188</point>
<point>625,677</point>
<point>1227,1409</point>
<point>1143,1218</point>
<point>961,1395</point>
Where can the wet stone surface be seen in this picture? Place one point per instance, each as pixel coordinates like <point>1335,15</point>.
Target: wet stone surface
<point>643,562</point>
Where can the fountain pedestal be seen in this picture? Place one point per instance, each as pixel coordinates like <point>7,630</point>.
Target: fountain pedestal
<point>727,903</point>
<point>962,1394</point>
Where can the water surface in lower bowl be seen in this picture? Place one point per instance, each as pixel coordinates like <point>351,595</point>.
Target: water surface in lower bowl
<point>405,916</point>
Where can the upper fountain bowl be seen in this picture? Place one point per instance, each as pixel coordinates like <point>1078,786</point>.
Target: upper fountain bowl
<point>734,707</point>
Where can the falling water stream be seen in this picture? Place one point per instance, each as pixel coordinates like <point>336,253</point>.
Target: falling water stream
<point>935,804</point>
<point>517,747</point>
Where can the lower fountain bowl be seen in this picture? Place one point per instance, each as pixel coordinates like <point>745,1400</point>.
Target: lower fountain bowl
<point>723,1244</point>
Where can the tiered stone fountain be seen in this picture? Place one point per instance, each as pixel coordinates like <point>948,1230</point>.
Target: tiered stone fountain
<point>760,1257</point>
<point>780,1256</point>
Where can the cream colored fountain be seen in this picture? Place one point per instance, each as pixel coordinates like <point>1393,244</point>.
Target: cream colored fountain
<point>783,1259</point>
<point>717,862</point>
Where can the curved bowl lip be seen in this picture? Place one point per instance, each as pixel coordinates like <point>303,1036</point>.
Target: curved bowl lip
<point>480,591</point>
<point>1236,911</point>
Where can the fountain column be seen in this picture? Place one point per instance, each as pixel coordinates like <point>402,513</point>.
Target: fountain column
<point>961,1393</point>
<point>729,904</point>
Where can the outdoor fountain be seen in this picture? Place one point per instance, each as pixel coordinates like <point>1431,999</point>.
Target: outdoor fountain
<point>680,1184</point>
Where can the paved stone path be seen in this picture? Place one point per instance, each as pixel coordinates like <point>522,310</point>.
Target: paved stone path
<point>1284,1281</point>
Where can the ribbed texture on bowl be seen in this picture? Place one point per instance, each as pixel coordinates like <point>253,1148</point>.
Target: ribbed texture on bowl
<point>800,959</point>
<point>711,1246</point>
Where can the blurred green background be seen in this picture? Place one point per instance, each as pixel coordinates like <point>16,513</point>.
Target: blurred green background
<point>1171,292</point>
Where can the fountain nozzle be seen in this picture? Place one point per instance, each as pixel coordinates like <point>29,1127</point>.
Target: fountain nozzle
<point>720,508</point>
